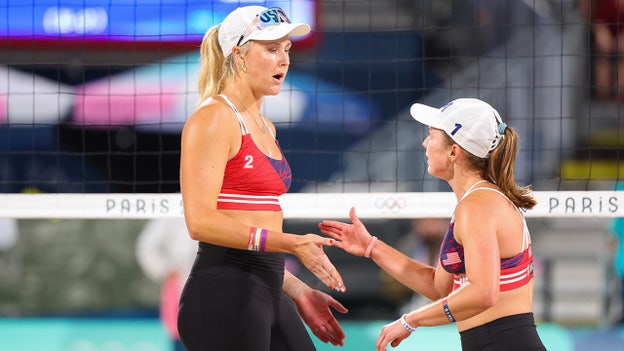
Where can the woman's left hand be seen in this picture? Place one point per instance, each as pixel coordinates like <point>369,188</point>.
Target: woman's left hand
<point>392,333</point>
<point>314,308</point>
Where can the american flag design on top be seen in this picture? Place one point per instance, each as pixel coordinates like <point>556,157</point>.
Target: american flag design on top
<point>515,271</point>
<point>451,258</point>
<point>451,253</point>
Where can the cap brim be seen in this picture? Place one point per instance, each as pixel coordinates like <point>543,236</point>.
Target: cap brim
<point>281,30</point>
<point>427,115</point>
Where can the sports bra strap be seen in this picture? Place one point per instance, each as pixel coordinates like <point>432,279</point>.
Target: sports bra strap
<point>267,125</point>
<point>241,121</point>
<point>526,237</point>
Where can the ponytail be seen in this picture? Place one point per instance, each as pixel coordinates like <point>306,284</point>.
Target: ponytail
<point>215,70</point>
<point>500,170</point>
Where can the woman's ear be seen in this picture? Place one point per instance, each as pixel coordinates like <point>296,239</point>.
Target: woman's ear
<point>237,53</point>
<point>454,152</point>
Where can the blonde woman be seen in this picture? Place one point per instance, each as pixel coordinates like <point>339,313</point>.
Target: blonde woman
<point>232,172</point>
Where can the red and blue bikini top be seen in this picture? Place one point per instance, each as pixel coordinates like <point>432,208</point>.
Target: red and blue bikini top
<point>253,181</point>
<point>515,271</point>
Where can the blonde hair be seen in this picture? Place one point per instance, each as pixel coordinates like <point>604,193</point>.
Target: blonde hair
<point>215,69</point>
<point>499,168</point>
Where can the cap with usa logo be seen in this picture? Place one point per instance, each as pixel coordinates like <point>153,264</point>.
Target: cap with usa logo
<point>256,23</point>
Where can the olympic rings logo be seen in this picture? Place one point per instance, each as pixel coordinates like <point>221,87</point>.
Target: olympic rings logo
<point>395,205</point>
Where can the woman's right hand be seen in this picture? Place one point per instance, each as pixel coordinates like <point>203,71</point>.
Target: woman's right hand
<point>353,238</point>
<point>309,251</point>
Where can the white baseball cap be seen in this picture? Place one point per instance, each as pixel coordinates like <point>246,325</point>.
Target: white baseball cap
<point>472,123</point>
<point>256,23</point>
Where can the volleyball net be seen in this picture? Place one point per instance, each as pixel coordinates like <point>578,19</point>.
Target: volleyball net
<point>94,98</point>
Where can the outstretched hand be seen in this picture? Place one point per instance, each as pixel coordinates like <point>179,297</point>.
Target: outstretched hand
<point>314,308</point>
<point>392,334</point>
<point>353,238</point>
<point>310,252</point>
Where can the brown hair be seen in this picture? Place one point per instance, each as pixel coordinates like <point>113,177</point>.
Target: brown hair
<point>499,168</point>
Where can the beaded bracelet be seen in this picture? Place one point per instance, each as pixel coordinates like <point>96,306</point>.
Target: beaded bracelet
<point>408,327</point>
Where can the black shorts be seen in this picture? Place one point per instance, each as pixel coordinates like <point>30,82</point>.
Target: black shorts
<point>233,300</point>
<point>511,333</point>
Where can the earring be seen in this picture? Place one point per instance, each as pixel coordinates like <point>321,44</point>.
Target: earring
<point>243,67</point>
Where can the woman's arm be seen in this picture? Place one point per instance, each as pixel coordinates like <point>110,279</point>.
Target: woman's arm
<point>476,225</point>
<point>418,276</point>
<point>212,136</point>
<point>355,239</point>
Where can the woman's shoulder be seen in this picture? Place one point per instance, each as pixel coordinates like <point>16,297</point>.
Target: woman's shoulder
<point>484,209</point>
<point>487,199</point>
<point>213,111</point>
<point>213,107</point>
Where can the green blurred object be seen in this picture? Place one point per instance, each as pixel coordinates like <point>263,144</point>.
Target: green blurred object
<point>74,268</point>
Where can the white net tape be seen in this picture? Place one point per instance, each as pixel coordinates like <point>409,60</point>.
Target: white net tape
<point>303,205</point>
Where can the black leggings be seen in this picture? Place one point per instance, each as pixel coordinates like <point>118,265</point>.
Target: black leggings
<point>233,300</point>
<point>511,333</point>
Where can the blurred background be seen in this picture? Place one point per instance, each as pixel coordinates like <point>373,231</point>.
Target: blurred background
<point>94,93</point>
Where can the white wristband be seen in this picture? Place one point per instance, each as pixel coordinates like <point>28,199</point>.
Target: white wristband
<point>408,327</point>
